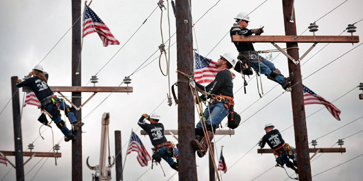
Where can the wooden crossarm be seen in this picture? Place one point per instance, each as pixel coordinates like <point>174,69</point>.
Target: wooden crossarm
<point>86,89</point>
<point>37,154</point>
<point>175,132</point>
<point>311,150</point>
<point>297,39</point>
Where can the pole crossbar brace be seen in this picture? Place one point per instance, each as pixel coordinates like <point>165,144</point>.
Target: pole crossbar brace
<point>29,158</point>
<point>289,57</point>
<point>314,154</point>
<point>77,108</point>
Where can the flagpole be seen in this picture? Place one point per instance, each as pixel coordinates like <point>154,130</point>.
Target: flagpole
<point>123,166</point>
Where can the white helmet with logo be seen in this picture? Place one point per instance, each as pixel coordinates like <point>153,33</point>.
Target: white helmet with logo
<point>242,16</point>
<point>155,116</point>
<point>230,58</point>
<point>38,68</point>
<point>269,125</point>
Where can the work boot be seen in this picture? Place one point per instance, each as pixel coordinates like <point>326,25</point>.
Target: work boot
<point>196,143</point>
<point>288,81</point>
<point>70,137</point>
<point>77,125</point>
<point>175,166</point>
<point>204,143</point>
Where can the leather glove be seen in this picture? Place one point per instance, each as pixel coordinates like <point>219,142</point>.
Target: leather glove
<point>258,31</point>
<point>145,115</point>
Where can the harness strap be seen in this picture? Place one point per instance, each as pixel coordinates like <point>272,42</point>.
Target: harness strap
<point>168,144</point>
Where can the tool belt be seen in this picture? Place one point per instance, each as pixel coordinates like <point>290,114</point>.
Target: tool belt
<point>165,144</point>
<point>48,100</point>
<point>227,101</point>
<point>281,149</point>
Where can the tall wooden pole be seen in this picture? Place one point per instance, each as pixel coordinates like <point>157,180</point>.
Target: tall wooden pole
<point>76,81</point>
<point>187,164</point>
<point>212,172</point>
<point>301,136</point>
<point>18,138</point>
<point>118,153</point>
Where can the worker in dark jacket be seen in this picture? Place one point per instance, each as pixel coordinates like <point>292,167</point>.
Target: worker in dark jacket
<point>250,58</point>
<point>162,147</point>
<point>282,151</point>
<point>220,93</point>
<point>37,81</point>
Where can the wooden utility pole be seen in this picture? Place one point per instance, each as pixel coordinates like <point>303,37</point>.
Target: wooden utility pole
<point>184,38</point>
<point>18,138</point>
<point>118,153</point>
<point>212,171</point>
<point>297,98</point>
<point>76,81</point>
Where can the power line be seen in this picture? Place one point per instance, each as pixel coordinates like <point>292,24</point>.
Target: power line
<point>326,14</point>
<point>228,31</point>
<point>338,165</point>
<point>339,128</point>
<point>127,41</point>
<point>333,60</point>
<point>263,173</point>
<point>263,107</point>
<point>240,158</point>
<point>324,107</point>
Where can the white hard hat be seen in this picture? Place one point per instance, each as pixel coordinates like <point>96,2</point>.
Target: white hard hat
<point>269,125</point>
<point>38,67</point>
<point>155,116</point>
<point>230,58</point>
<point>242,16</point>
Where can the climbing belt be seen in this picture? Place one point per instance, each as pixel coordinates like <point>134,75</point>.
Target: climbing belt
<point>202,118</point>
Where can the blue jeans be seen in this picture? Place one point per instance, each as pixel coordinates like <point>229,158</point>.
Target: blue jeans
<point>217,113</point>
<point>266,68</point>
<point>51,108</point>
<point>72,118</point>
<point>163,154</point>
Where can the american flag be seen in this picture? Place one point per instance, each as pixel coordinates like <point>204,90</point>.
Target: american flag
<point>311,97</point>
<point>222,164</point>
<point>136,145</point>
<point>31,99</point>
<point>205,69</point>
<point>3,160</point>
<point>92,23</point>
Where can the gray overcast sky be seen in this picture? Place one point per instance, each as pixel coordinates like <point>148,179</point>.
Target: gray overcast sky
<point>31,28</point>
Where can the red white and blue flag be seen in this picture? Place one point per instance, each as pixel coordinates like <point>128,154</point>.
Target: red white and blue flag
<point>205,69</point>
<point>31,99</point>
<point>136,145</point>
<point>92,23</point>
<point>222,163</point>
<point>311,97</point>
<point>3,160</point>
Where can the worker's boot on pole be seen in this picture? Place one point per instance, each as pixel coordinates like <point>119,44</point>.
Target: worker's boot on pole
<point>204,143</point>
<point>196,143</point>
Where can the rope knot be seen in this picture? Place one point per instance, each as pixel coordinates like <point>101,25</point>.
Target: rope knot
<point>162,48</point>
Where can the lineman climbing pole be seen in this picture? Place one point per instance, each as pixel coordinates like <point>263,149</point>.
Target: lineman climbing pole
<point>291,39</point>
<point>187,164</point>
